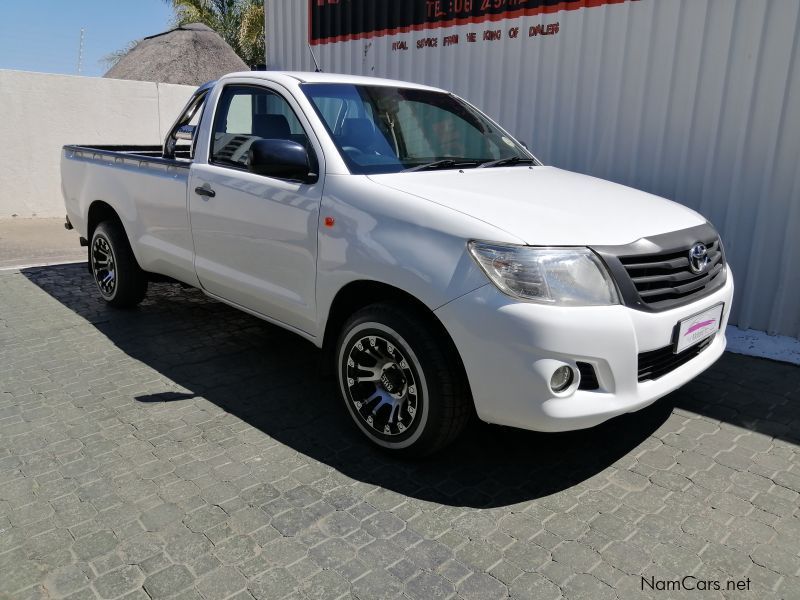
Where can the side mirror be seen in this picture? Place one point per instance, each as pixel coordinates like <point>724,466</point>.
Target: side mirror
<point>283,159</point>
<point>185,132</point>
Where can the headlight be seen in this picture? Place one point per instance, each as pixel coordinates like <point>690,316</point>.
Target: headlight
<point>562,276</point>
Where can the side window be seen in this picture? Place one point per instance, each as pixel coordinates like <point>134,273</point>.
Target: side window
<point>246,114</point>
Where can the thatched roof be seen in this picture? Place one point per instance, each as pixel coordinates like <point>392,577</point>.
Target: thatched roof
<point>191,54</point>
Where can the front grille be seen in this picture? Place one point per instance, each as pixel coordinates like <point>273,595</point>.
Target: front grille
<point>657,363</point>
<point>665,280</point>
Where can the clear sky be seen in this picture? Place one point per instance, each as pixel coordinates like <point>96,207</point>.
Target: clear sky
<point>44,35</point>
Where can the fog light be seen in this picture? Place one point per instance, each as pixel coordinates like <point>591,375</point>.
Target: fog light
<point>561,379</point>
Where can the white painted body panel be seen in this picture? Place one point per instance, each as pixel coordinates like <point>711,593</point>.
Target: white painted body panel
<point>260,245</point>
<point>151,201</point>
<point>549,206</point>
<point>506,347</point>
<point>256,240</point>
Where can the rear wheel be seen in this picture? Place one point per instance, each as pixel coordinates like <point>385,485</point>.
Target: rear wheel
<point>402,386</point>
<point>120,280</point>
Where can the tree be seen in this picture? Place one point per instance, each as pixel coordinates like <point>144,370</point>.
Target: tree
<point>239,22</point>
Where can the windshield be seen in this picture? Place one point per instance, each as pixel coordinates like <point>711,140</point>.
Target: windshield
<point>381,129</point>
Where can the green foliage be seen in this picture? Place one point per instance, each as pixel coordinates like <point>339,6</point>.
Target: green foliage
<point>239,22</point>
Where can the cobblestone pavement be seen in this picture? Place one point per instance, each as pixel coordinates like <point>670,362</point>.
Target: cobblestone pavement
<point>187,450</point>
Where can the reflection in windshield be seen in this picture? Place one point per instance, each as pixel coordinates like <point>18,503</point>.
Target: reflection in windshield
<point>383,129</point>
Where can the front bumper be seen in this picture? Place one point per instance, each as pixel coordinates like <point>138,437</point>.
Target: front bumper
<point>510,348</point>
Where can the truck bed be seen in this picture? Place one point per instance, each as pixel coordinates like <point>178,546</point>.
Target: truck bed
<point>145,189</point>
<point>133,153</point>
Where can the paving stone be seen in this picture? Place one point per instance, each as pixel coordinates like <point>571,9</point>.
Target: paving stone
<point>383,525</point>
<point>777,559</point>
<point>480,586</point>
<point>118,582</point>
<point>430,554</point>
<point>84,594</point>
<point>377,585</point>
<point>65,580</point>
<point>94,545</point>
<point>625,557</point>
<point>205,518</point>
<point>188,546</point>
<point>332,553</point>
<point>161,516</point>
<point>140,547</point>
<point>339,524</point>
<point>168,582</point>
<point>276,583</point>
<point>292,522</point>
<point>284,552</point>
<point>534,586</point>
<point>675,559</point>
<point>609,575</point>
<point>429,586</point>
<point>221,583</point>
<point>325,585</point>
<point>527,555</point>
<point>565,526</point>
<point>588,587</point>
<point>404,569</point>
<point>25,573</point>
<point>728,560</point>
<point>248,520</point>
<point>789,587</point>
<point>203,564</point>
<point>579,557</point>
<point>749,533</point>
<point>235,550</point>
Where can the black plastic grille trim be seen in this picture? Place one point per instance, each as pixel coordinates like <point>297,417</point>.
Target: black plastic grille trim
<point>588,377</point>
<point>653,275</point>
<point>662,279</point>
<point>657,363</point>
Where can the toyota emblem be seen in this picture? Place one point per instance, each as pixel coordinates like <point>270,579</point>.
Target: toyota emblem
<point>698,258</point>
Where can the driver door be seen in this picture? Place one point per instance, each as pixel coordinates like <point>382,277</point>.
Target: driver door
<point>255,236</point>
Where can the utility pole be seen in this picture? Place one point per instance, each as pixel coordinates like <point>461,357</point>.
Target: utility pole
<point>80,53</point>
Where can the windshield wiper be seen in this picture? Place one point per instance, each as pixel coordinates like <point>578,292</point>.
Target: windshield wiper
<point>511,160</point>
<point>446,163</point>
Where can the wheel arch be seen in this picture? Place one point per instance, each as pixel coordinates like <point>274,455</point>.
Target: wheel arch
<point>99,211</point>
<point>360,293</point>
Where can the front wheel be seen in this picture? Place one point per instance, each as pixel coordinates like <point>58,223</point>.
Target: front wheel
<point>403,387</point>
<point>120,280</point>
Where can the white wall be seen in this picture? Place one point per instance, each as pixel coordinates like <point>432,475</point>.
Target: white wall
<point>41,112</point>
<point>694,100</point>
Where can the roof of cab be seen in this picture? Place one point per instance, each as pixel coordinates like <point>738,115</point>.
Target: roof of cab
<point>311,77</point>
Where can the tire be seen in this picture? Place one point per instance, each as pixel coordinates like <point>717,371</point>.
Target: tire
<point>124,285</point>
<point>412,398</point>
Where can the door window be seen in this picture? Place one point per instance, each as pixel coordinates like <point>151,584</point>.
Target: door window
<point>246,114</point>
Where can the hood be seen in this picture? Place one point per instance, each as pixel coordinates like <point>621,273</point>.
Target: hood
<point>548,206</point>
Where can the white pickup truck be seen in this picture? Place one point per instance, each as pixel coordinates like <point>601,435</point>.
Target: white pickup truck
<point>444,269</point>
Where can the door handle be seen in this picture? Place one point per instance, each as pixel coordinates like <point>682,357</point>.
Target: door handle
<point>205,191</point>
